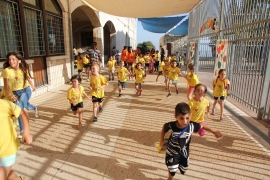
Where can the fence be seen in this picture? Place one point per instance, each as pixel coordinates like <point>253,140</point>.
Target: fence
<point>246,24</point>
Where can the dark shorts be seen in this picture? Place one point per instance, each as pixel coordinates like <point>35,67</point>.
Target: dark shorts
<point>138,84</point>
<point>146,64</point>
<point>80,70</point>
<point>86,66</point>
<point>221,98</point>
<point>176,162</point>
<point>75,108</point>
<point>95,99</point>
<point>159,72</point>
<point>122,84</point>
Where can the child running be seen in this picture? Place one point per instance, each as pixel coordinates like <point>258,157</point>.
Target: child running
<point>86,65</point>
<point>139,78</point>
<point>79,65</point>
<point>177,148</point>
<point>9,142</point>
<point>151,64</point>
<point>74,95</point>
<point>97,85</point>
<point>198,104</point>
<point>192,80</point>
<point>174,71</point>
<point>166,72</point>
<point>221,87</point>
<point>122,73</point>
<point>160,69</point>
<point>111,65</point>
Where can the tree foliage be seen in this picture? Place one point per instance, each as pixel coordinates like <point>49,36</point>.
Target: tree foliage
<point>146,46</point>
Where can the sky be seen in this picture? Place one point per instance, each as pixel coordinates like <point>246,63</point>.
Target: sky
<point>143,35</point>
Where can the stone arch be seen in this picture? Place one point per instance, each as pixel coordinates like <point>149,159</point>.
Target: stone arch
<point>109,35</point>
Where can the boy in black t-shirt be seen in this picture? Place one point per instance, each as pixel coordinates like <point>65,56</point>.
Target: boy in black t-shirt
<point>177,149</point>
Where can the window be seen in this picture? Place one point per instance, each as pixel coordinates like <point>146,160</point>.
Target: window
<point>55,34</point>
<point>86,38</point>
<point>33,2</point>
<point>54,27</point>
<point>34,31</point>
<point>10,32</point>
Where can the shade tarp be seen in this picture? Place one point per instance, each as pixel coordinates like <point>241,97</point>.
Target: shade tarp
<point>143,8</point>
<point>160,25</point>
<point>181,29</point>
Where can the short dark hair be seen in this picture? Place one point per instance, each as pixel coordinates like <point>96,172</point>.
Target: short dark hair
<point>76,76</point>
<point>205,88</point>
<point>182,108</point>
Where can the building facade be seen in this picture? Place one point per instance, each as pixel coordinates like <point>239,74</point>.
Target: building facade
<point>173,43</point>
<point>45,31</point>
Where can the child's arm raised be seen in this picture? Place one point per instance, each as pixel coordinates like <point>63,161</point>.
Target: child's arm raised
<point>87,96</point>
<point>217,134</point>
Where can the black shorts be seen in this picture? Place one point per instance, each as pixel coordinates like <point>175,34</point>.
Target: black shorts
<point>146,64</point>
<point>221,98</point>
<point>176,162</point>
<point>86,66</point>
<point>95,99</point>
<point>75,108</point>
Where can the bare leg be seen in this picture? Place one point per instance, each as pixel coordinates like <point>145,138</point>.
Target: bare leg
<point>170,177</point>
<point>95,108</point>
<point>221,107</point>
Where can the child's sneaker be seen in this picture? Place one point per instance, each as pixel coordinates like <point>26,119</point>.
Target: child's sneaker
<point>119,95</point>
<point>100,109</point>
<point>20,135</point>
<point>109,79</point>
<point>36,112</point>
<point>95,119</point>
<point>213,112</point>
<point>112,78</point>
<point>177,91</point>
<point>169,95</point>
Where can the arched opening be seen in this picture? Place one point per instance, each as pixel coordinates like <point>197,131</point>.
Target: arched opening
<point>109,39</point>
<point>84,20</point>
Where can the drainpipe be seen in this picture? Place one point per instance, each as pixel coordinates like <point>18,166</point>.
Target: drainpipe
<point>71,40</point>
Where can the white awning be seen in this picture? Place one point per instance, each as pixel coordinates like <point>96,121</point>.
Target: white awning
<point>143,8</point>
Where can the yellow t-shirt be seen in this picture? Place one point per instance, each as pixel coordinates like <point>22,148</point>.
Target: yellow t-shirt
<point>141,60</point>
<point>192,80</point>
<point>169,58</point>
<point>220,87</point>
<point>96,82</point>
<point>161,66</point>
<point>85,60</point>
<point>122,74</point>
<point>173,73</point>
<point>157,57</point>
<point>75,95</point>
<point>9,143</point>
<point>197,109</point>
<point>15,79</point>
<point>111,64</point>
<point>80,64</point>
<point>147,59</point>
<point>139,75</point>
<point>165,70</point>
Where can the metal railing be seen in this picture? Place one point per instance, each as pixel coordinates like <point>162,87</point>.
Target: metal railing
<point>246,24</point>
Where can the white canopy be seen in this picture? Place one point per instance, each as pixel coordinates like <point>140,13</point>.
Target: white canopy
<point>143,8</point>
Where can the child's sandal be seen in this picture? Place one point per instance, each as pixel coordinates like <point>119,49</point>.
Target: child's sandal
<point>79,126</point>
<point>21,178</point>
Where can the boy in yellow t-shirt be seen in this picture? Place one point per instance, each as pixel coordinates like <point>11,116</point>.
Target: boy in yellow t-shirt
<point>122,73</point>
<point>165,72</point>
<point>141,60</point>
<point>174,72</point>
<point>86,65</point>
<point>74,95</point>
<point>147,59</point>
<point>10,143</point>
<point>111,65</point>
<point>139,78</point>
<point>97,85</point>
<point>79,65</point>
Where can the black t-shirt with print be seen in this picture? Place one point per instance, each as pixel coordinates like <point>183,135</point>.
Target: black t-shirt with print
<point>181,144</point>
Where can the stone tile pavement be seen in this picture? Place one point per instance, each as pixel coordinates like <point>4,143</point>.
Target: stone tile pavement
<point>121,144</point>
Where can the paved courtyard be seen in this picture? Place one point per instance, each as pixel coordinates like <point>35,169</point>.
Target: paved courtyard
<point>121,144</point>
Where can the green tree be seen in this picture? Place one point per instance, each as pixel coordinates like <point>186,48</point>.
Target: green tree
<point>146,46</point>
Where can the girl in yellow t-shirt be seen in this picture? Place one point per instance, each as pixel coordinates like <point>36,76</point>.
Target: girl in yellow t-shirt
<point>165,72</point>
<point>74,95</point>
<point>79,65</point>
<point>111,65</point>
<point>9,142</point>
<point>17,82</point>
<point>192,80</point>
<point>221,87</point>
<point>139,78</point>
<point>198,104</point>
